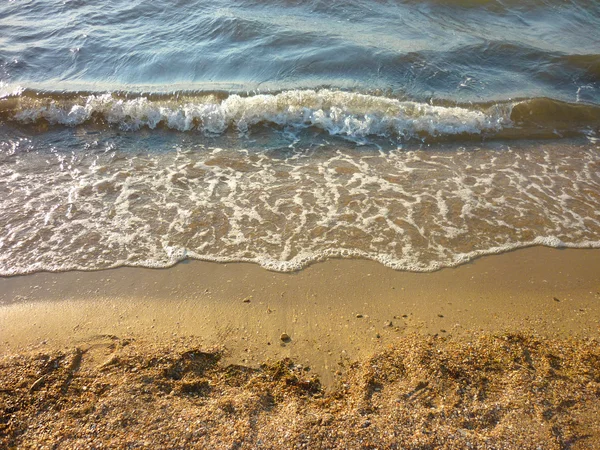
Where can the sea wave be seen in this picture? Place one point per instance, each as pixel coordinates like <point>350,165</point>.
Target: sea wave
<point>336,112</point>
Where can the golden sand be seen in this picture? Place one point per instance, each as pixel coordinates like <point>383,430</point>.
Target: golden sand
<point>504,391</point>
<point>499,353</point>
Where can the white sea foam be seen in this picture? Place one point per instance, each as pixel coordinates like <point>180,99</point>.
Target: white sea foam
<point>9,90</point>
<point>336,112</point>
<point>417,211</point>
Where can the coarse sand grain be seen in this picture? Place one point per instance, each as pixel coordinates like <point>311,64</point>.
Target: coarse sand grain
<point>484,391</point>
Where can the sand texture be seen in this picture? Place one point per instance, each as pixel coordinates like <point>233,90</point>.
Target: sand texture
<point>499,353</point>
<point>503,391</point>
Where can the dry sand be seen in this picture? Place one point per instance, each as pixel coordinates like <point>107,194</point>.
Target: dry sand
<point>498,353</point>
<point>509,391</point>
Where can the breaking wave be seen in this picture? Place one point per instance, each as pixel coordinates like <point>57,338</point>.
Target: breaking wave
<point>336,112</point>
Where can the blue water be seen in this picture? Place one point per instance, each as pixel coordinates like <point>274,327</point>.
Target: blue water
<point>456,50</point>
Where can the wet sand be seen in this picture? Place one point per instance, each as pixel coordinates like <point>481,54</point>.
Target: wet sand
<point>532,316</point>
<point>331,310</point>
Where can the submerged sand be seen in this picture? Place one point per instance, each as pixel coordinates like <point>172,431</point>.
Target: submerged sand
<point>499,353</point>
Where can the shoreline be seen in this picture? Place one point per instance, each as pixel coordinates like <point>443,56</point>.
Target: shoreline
<point>340,308</point>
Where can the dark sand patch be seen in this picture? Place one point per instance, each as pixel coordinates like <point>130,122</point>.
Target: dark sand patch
<point>503,391</point>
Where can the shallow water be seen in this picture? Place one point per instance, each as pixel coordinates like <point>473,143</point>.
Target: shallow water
<point>419,134</point>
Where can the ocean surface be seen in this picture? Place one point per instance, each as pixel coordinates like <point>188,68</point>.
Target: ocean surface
<point>420,134</point>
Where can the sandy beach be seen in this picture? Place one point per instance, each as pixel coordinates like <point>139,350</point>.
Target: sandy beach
<point>310,225</point>
<point>325,342</point>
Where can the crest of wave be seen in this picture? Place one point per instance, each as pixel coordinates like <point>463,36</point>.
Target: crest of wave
<point>337,112</point>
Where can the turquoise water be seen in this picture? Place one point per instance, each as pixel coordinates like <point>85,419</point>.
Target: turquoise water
<point>419,134</point>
